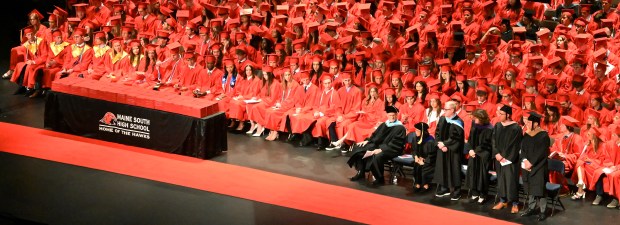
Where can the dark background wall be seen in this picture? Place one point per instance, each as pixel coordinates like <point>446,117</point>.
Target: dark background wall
<point>14,16</point>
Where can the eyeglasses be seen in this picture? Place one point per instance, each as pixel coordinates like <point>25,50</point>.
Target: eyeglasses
<point>446,109</point>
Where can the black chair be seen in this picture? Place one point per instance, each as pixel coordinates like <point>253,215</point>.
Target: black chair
<point>549,24</point>
<point>398,163</point>
<point>549,14</point>
<point>553,190</point>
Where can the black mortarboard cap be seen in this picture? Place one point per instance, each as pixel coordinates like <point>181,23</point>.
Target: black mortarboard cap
<point>391,109</point>
<point>534,117</point>
<point>507,109</point>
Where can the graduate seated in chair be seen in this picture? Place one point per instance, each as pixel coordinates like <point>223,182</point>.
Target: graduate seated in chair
<point>384,144</point>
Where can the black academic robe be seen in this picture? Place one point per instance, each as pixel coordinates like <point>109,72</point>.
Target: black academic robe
<point>423,174</point>
<point>477,177</point>
<point>448,164</point>
<point>507,142</point>
<point>391,141</point>
<point>536,149</point>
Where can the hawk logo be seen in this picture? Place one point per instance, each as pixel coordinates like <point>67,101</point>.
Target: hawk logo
<point>108,119</point>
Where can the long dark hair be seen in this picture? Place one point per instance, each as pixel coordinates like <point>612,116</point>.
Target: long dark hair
<point>424,90</point>
<point>391,100</point>
<point>282,57</point>
<point>234,72</point>
<point>267,83</point>
<point>368,97</point>
<point>516,7</point>
<point>555,117</point>
<point>148,61</point>
<point>361,68</point>
<point>465,87</point>
<point>133,56</point>
<point>316,73</point>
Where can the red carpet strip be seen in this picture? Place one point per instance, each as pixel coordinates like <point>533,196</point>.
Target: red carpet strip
<point>221,178</point>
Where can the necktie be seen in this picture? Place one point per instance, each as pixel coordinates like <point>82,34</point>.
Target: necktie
<point>306,89</point>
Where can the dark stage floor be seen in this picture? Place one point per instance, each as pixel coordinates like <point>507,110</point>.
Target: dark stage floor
<point>92,196</point>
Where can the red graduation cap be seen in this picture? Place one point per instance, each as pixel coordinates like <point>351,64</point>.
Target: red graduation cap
<point>600,54</point>
<point>580,21</point>
<point>56,33</point>
<point>325,76</point>
<point>36,12</point>
<point>407,93</point>
<point>563,98</point>
<point>80,6</point>
<point>389,92</point>
<point>554,62</point>
<point>482,90</point>
<point>608,23</point>
<point>282,9</point>
<point>60,12</point>
<point>560,53</point>
<point>529,98</point>
<point>470,107</point>
<point>143,5</point>
<point>432,95</point>
<point>174,47</point>
<point>79,31</point>
<point>552,103</point>
<point>28,30</point>
<point>222,10</point>
<point>569,12</point>
<point>151,47</point>
<point>216,22</point>
<point>543,32</point>
<point>595,131</point>
<point>100,34</point>
<point>165,11</point>
<point>183,14</point>
<point>518,30</point>
<point>377,73</point>
<point>73,20</point>
<point>488,4</point>
<point>591,112</point>
<point>601,33</point>
<point>578,78</point>
<point>446,9</point>
<point>551,80</point>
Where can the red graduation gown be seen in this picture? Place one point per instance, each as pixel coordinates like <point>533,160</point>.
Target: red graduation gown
<point>373,113</point>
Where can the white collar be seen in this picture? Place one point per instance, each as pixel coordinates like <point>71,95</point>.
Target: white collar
<point>581,92</point>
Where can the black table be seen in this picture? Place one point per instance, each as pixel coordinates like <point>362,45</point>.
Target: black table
<point>137,126</point>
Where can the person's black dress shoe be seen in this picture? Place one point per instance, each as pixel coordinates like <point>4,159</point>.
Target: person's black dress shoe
<point>358,175</point>
<point>291,138</point>
<point>542,217</point>
<point>36,94</point>
<point>379,181</point>
<point>20,90</point>
<point>528,212</point>
<point>28,92</point>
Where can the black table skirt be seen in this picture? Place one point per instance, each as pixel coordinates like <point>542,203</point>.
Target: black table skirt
<point>137,126</point>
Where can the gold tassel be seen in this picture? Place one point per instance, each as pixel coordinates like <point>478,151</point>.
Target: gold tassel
<point>421,137</point>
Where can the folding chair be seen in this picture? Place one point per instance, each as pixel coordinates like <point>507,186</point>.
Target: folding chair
<point>549,14</point>
<point>399,162</point>
<point>553,190</point>
<point>549,24</point>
